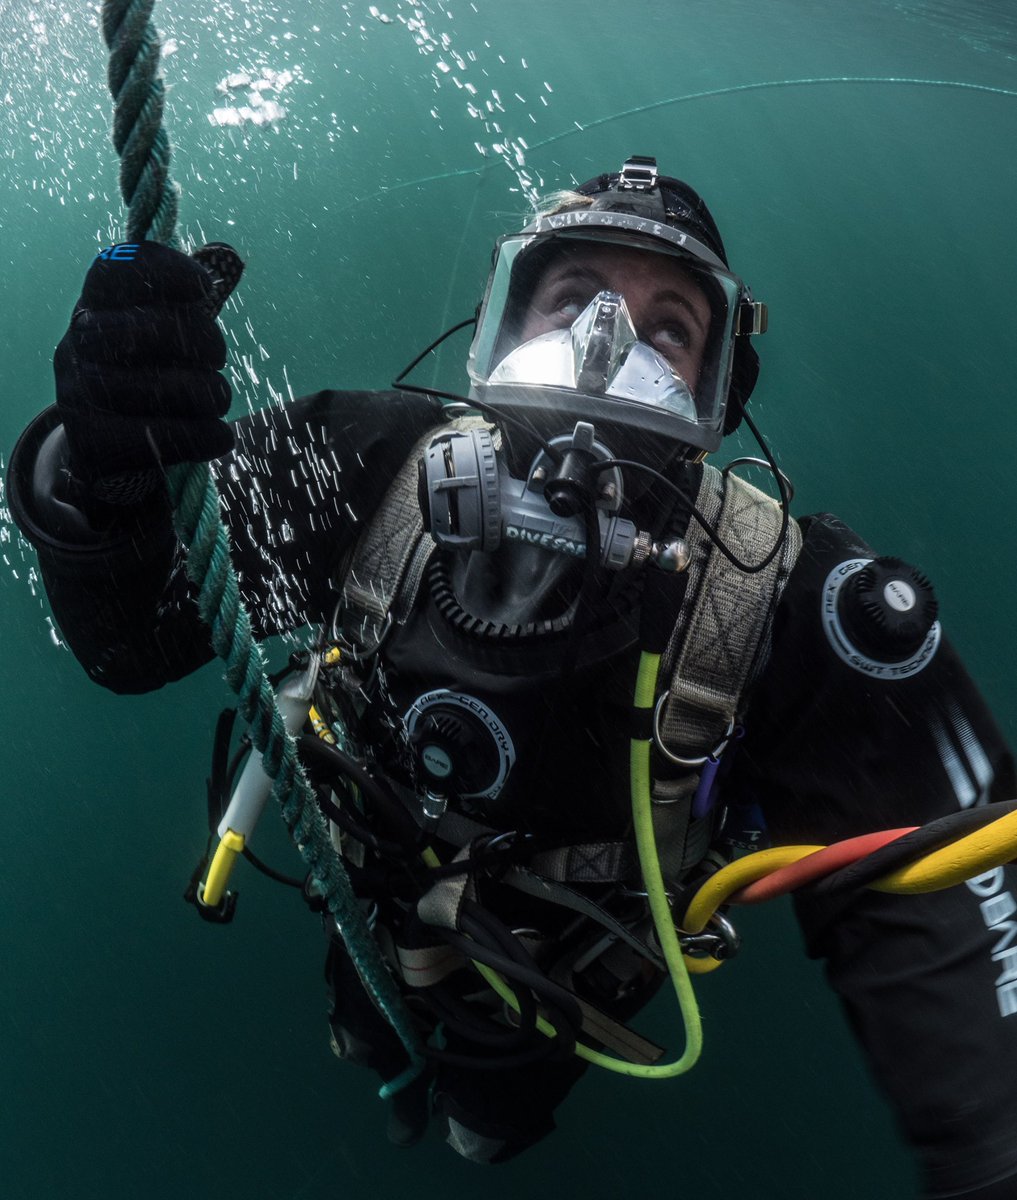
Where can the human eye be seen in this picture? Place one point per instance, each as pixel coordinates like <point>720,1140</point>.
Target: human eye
<point>671,339</point>
<point>565,305</point>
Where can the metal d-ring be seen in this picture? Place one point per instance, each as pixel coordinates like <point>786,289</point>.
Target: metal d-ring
<point>713,754</point>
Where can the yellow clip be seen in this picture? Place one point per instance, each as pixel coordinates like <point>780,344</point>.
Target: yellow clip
<point>219,872</point>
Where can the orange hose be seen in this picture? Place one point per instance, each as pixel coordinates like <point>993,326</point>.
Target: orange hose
<point>815,866</point>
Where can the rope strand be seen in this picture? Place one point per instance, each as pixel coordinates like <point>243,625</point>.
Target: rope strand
<point>151,199</point>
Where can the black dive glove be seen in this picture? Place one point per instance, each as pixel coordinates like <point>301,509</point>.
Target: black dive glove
<point>138,371</point>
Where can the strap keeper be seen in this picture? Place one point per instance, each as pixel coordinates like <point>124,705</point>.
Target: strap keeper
<point>753,317</point>
<point>641,724</point>
<point>639,174</point>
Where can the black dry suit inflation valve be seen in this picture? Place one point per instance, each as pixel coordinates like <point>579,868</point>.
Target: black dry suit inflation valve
<point>469,501</point>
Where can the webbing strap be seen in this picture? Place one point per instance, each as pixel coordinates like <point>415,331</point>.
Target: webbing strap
<point>722,637</point>
<point>440,906</point>
<point>678,839</point>
<point>388,562</point>
<point>382,555</point>
<point>616,1037</point>
<point>424,966</point>
<point>532,884</point>
<point>682,840</point>
<point>591,862</point>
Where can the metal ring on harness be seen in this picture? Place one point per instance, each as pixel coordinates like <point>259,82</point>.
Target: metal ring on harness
<point>714,754</point>
<point>506,837</point>
<point>638,895</point>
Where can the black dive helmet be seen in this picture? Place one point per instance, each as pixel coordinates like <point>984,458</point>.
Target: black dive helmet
<point>594,365</point>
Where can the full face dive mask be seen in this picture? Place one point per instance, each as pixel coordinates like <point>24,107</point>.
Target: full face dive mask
<point>651,240</point>
<point>610,330</point>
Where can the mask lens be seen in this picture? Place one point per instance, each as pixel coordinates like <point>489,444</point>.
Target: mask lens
<point>610,314</point>
<point>600,355</point>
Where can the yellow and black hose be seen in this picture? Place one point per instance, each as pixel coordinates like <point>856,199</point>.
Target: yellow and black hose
<point>905,861</point>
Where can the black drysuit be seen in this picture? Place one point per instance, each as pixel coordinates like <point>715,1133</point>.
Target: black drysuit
<point>828,751</point>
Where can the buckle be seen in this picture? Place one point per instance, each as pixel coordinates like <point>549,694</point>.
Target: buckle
<point>752,318</point>
<point>639,174</point>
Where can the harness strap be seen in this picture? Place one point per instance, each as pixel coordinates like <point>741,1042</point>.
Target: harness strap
<point>441,904</point>
<point>532,884</point>
<point>618,1038</point>
<point>424,966</point>
<point>677,849</point>
<point>722,637</point>
<point>381,557</point>
<point>389,559</point>
<point>440,907</point>
<point>458,829</point>
<point>595,862</point>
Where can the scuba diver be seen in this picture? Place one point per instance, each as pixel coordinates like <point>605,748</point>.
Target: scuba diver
<point>484,573</point>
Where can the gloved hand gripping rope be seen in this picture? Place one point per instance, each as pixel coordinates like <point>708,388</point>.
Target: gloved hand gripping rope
<point>151,200</point>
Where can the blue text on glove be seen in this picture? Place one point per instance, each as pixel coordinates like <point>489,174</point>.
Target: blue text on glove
<point>123,251</point>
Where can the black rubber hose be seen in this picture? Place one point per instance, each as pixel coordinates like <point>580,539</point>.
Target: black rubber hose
<point>560,1005</point>
<point>908,848</point>
<point>398,821</point>
<point>508,944</point>
<point>472,1026</point>
<point>563,1011</point>
<point>466,1021</point>
<point>348,823</point>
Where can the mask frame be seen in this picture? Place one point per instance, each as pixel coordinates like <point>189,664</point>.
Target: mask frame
<point>520,261</point>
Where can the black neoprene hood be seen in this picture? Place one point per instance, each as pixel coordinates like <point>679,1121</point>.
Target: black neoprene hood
<point>638,189</point>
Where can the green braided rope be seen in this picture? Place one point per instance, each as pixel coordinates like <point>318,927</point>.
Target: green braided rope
<point>151,199</point>
<point>140,141</point>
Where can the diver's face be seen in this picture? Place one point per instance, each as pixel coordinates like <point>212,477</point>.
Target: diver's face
<point>668,309</point>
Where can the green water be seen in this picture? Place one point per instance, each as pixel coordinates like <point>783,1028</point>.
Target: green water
<point>143,1053</point>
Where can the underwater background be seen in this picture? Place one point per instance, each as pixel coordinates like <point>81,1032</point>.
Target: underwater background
<point>860,161</point>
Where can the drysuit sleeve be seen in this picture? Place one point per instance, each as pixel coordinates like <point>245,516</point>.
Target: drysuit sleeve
<point>296,490</point>
<point>929,982</point>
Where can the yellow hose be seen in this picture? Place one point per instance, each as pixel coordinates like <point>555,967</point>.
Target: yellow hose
<point>985,848</point>
<point>982,850</point>
<point>735,876</point>
<point>660,909</point>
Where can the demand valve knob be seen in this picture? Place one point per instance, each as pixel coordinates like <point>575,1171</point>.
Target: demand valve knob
<point>887,609</point>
